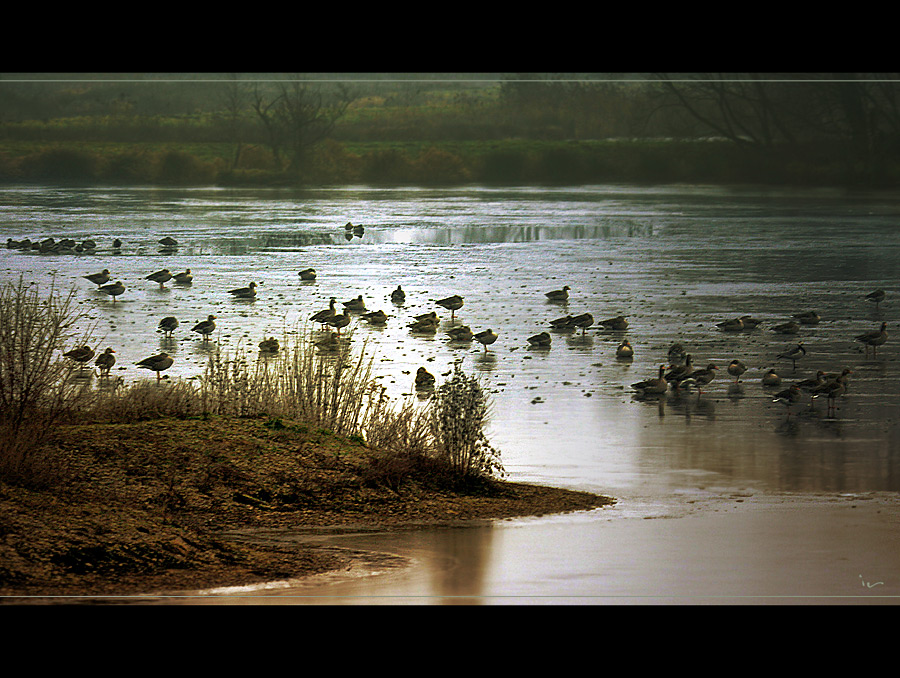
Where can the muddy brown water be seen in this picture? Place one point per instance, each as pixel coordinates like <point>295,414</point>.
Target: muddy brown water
<point>674,260</point>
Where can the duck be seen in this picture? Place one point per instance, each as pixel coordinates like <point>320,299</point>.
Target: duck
<point>736,368</point>
<point>105,361</point>
<point>205,327</point>
<point>307,274</point>
<point>355,304</point>
<point>702,377</point>
<point>794,354</point>
<point>375,317</point>
<point>269,345</point>
<point>158,363</point>
<point>583,321</point>
<point>80,355</point>
<point>733,325</point>
<point>788,397</point>
<point>832,389</point>
<point>398,296</point>
<point>168,325</point>
<point>248,292</point>
<point>338,321</point>
<point>541,340</point>
<point>323,315</point>
<point>657,386</point>
<point>875,338</point>
<point>676,354</point>
<point>618,323</point>
<point>98,279</point>
<point>771,378</point>
<point>807,318</point>
<point>113,289</point>
<point>461,333</point>
<point>486,338</point>
<point>558,295</point>
<point>625,350</point>
<point>790,327</point>
<point>877,296</point>
<point>452,304</point>
<point>160,277</point>
<point>184,278</point>
<point>424,379</point>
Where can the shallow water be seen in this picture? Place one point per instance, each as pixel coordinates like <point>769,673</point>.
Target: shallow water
<point>674,260</point>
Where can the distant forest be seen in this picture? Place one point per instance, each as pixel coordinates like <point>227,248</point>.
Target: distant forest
<point>450,129</point>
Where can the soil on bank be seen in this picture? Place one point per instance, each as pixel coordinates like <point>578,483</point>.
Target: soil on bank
<point>166,505</point>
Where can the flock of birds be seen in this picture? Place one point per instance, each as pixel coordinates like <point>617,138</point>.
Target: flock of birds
<point>680,372</point>
<point>677,374</point>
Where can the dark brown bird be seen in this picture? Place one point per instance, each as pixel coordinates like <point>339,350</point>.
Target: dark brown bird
<point>875,338</point>
<point>105,361</point>
<point>158,363</point>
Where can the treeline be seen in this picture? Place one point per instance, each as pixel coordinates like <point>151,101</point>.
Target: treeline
<point>488,163</point>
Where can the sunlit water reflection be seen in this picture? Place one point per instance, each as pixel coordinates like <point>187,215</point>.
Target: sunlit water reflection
<point>675,261</point>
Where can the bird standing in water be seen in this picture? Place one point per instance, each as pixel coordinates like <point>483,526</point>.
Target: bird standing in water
<point>158,363</point>
<point>486,338</point>
<point>205,327</point>
<point>105,361</point>
<point>875,338</point>
<point>452,304</point>
<point>558,295</point>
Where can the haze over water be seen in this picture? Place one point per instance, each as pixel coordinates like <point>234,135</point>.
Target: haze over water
<point>674,260</point>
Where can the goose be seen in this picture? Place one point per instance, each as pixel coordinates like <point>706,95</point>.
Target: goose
<point>348,226</point>
<point>618,323</point>
<point>558,295</point>
<point>462,333</point>
<point>426,324</point>
<point>355,304</point>
<point>452,304</point>
<point>677,373</point>
<point>307,274</point>
<point>656,386</point>
<point>323,315</point>
<point>12,244</point>
<point>98,278</point>
<point>89,245</point>
<point>877,296</point>
<point>338,321</point>
<point>358,231</point>
<point>733,325</point>
<point>248,292</point>
<point>168,241</point>
<point>433,317</point>
<point>676,354</point>
<point>117,244</point>
<point>832,390</point>
<point>790,327</point>
<point>807,318</point>
<point>168,325</point>
<point>771,378</point>
<point>486,338</point>
<point>376,317</point>
<point>583,321</point>
<point>269,345</point>
<point>398,296</point>
<point>80,355</point>
<point>788,397</point>
<point>184,278</point>
<point>113,289</point>
<point>158,363</point>
<point>205,327</point>
<point>875,338</point>
<point>794,354</point>
<point>750,323</point>
<point>736,368</point>
<point>625,350</point>
<point>160,277</point>
<point>541,340</point>
<point>105,361</point>
<point>562,323</point>
<point>331,342</point>
<point>424,379</point>
<point>703,377</point>
<point>809,384</point>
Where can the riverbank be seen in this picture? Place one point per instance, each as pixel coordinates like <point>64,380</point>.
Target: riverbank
<point>155,507</point>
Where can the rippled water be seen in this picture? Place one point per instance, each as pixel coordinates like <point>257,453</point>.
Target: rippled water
<point>674,260</point>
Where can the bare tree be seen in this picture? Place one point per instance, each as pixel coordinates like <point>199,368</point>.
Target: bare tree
<point>298,116</point>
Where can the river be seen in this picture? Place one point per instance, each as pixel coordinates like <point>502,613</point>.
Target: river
<point>674,260</point>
